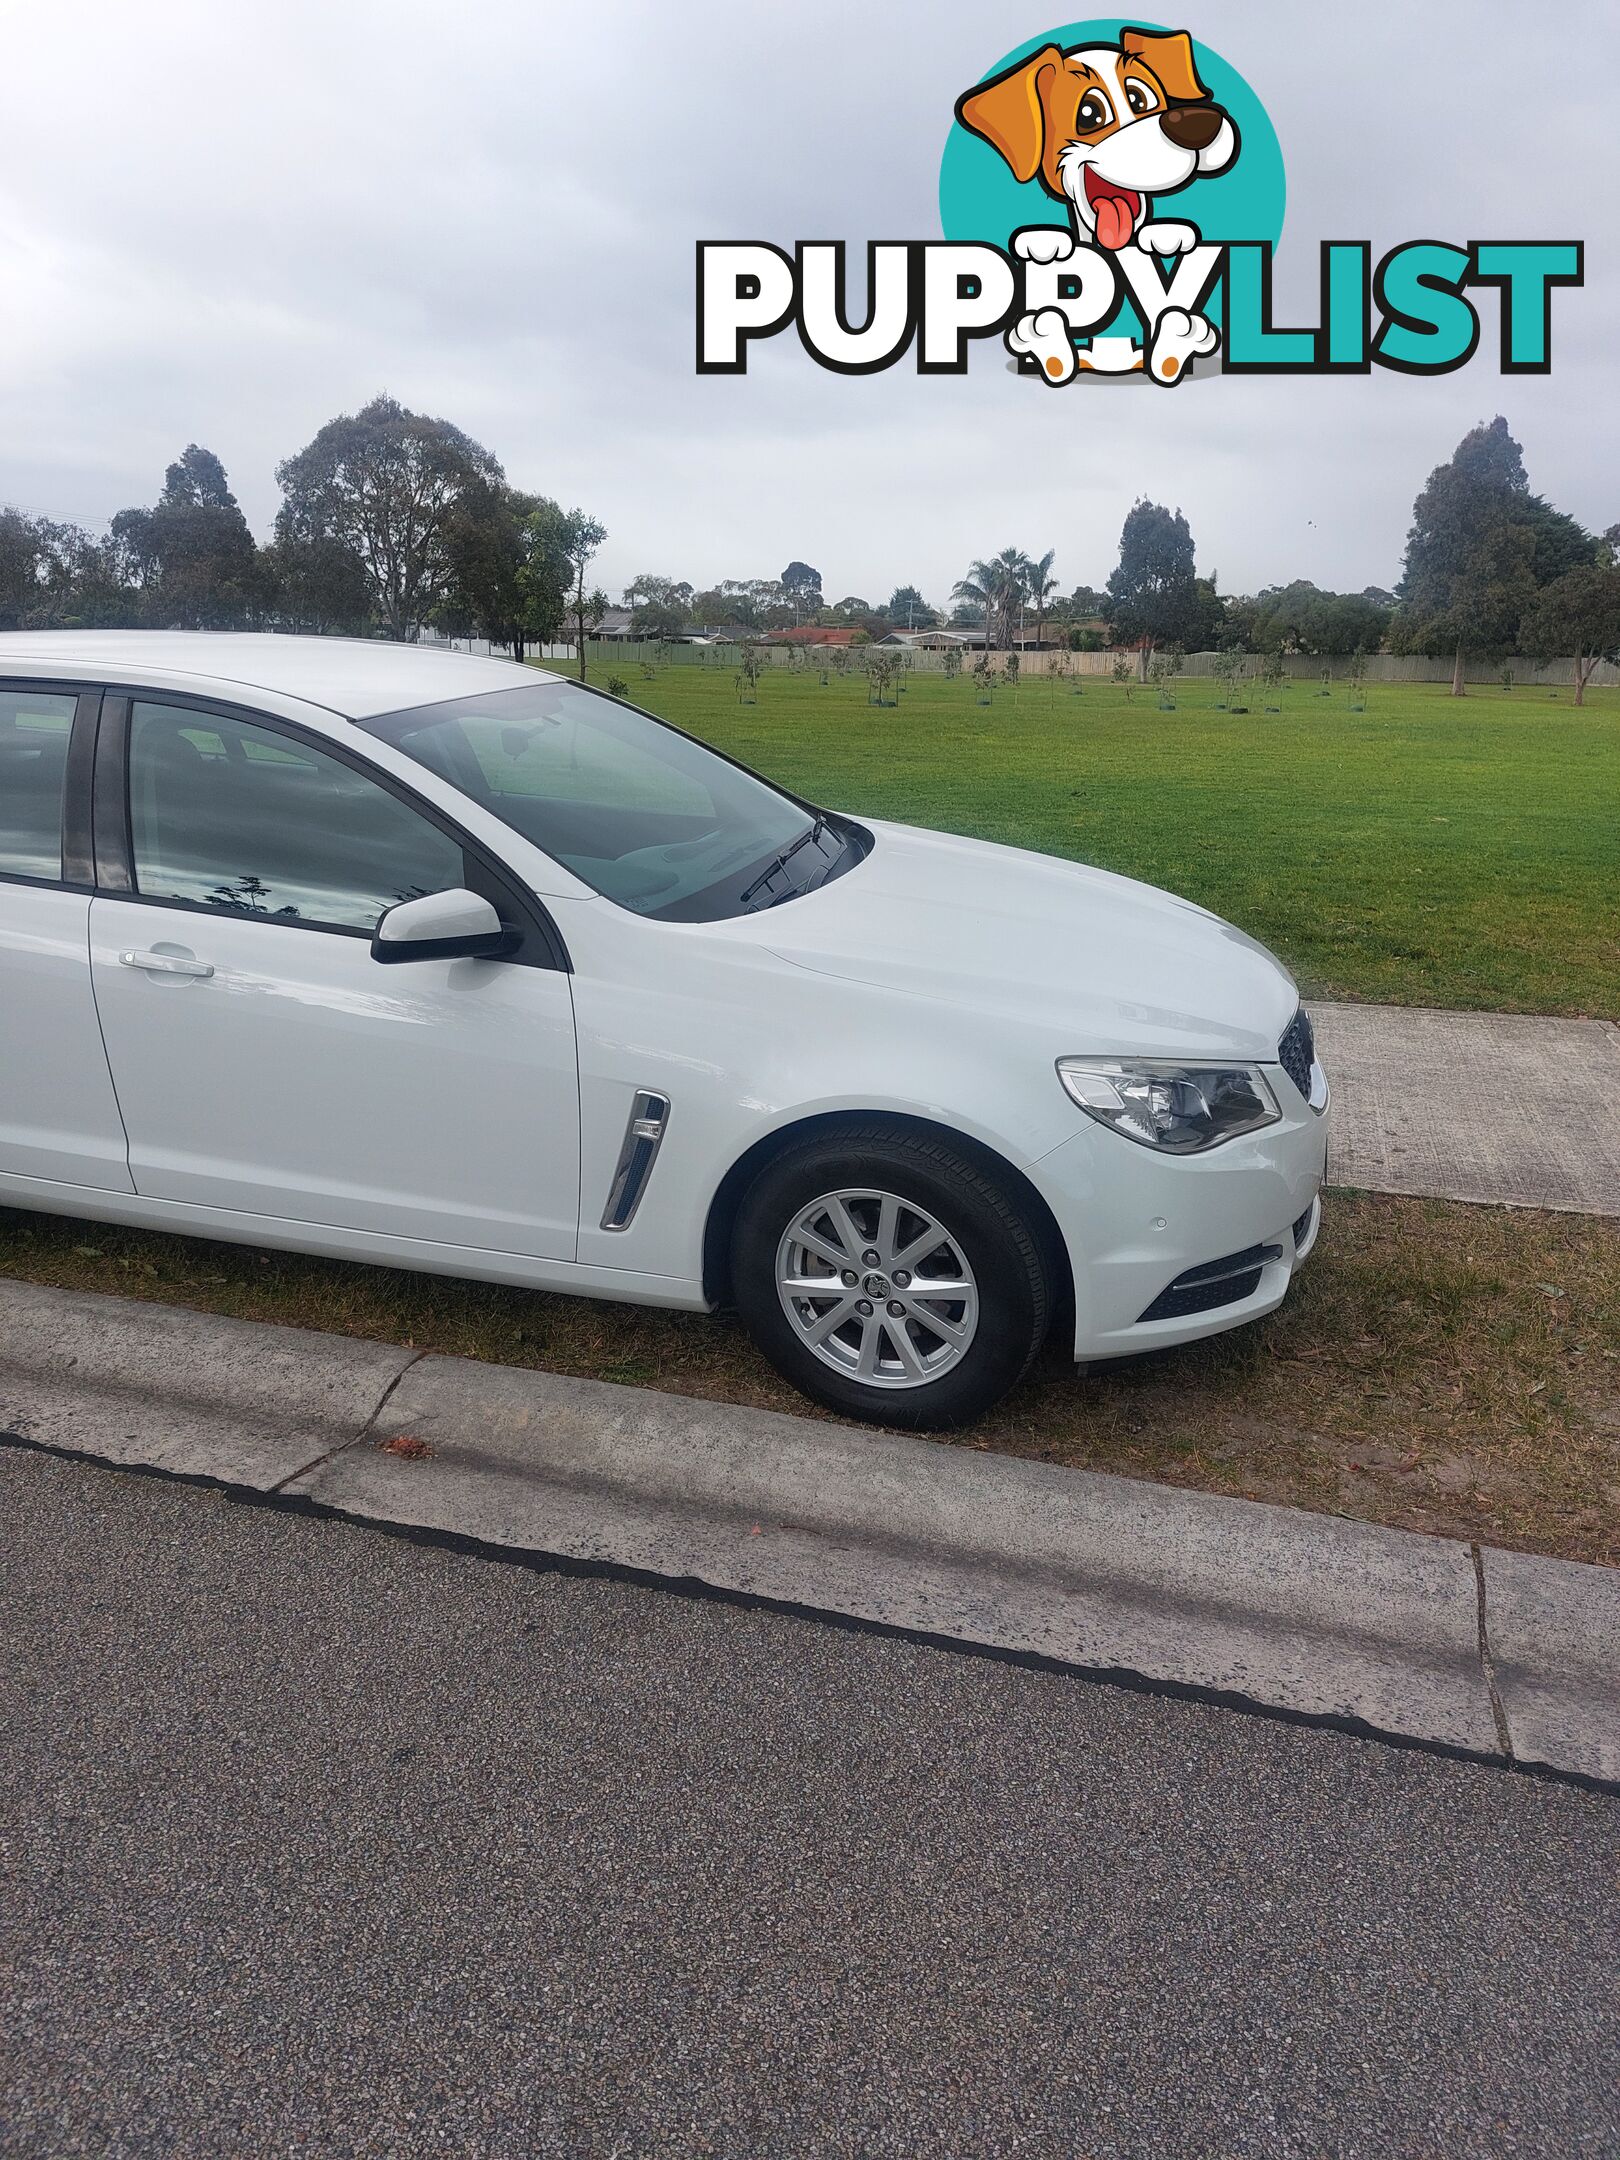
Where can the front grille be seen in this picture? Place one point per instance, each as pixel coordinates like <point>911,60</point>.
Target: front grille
<point>1213,1283</point>
<point>1296,1053</point>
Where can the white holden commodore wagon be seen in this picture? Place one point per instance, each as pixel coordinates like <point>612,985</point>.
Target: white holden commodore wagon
<point>404,956</point>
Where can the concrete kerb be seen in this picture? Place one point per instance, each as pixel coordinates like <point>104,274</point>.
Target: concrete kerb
<point>164,1388</point>
<point>1511,1658</point>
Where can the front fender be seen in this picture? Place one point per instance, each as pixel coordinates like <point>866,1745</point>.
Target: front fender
<point>746,1048</point>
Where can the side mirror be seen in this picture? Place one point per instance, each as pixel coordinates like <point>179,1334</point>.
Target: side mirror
<point>454,925</point>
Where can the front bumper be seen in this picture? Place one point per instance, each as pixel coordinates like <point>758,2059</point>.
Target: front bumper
<point>1135,1222</point>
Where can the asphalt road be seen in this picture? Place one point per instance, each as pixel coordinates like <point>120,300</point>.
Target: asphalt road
<point>314,1841</point>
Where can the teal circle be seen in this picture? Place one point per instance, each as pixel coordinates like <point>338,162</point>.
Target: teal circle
<point>980,200</point>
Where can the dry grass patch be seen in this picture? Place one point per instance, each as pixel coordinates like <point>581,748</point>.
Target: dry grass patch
<point>1437,1366</point>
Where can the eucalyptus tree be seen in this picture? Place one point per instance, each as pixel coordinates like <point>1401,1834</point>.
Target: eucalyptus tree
<point>385,484</point>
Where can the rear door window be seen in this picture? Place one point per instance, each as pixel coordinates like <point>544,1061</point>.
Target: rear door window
<point>34,730</point>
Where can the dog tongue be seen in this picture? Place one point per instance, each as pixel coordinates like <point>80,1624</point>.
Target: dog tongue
<point>1115,220</point>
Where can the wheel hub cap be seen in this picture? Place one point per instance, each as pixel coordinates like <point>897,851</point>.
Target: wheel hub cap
<point>899,1323</point>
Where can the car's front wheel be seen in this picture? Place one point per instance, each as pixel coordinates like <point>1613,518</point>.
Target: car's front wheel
<point>887,1273</point>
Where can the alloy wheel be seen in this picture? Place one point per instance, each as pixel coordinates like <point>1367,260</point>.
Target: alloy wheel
<point>877,1288</point>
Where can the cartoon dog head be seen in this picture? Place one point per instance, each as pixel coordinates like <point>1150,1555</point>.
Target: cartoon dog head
<point>1104,127</point>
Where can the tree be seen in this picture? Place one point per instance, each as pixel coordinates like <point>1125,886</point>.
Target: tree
<point>747,676</point>
<point>20,571</point>
<point>1039,587</point>
<point>579,537</point>
<point>802,587</point>
<point>192,555</point>
<point>1153,591</point>
<point>1577,613</point>
<point>39,565</point>
<point>1480,548</point>
<point>548,567</point>
<point>1087,604</point>
<point>1302,618</point>
<point>660,608</point>
<point>996,590</point>
<point>759,603</point>
<point>57,577</point>
<point>315,584</point>
<point>1205,623</point>
<point>385,483</point>
<point>481,538</point>
<point>908,610</point>
<point>509,567</point>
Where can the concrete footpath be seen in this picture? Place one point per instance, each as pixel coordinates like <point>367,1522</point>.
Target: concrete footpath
<point>1493,1654</point>
<point>1474,1106</point>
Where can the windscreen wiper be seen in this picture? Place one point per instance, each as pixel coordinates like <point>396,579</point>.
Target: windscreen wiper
<point>811,884</point>
<point>775,869</point>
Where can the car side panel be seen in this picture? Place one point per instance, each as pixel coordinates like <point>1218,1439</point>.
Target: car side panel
<point>58,1115</point>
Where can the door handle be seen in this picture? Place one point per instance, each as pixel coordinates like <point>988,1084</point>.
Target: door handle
<point>162,963</point>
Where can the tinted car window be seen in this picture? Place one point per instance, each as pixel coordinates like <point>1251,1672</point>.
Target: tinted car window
<point>240,818</point>
<point>34,730</point>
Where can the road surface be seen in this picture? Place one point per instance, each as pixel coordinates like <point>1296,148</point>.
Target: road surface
<point>314,1841</point>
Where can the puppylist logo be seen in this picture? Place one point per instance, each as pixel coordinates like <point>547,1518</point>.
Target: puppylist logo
<point>1110,198</point>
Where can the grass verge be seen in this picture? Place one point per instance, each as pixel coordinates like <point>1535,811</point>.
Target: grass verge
<point>1438,1367</point>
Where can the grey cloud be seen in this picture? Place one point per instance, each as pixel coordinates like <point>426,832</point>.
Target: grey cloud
<point>251,218</point>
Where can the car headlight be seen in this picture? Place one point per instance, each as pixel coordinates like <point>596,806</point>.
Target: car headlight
<point>1161,1103</point>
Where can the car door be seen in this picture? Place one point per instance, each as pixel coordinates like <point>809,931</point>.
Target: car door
<point>58,1117</point>
<point>265,1063</point>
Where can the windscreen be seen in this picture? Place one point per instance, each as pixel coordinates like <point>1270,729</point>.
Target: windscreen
<point>656,821</point>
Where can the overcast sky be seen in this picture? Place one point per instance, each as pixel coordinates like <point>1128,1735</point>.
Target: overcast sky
<point>225,223</point>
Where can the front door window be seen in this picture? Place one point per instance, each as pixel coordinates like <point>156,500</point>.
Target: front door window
<point>237,817</point>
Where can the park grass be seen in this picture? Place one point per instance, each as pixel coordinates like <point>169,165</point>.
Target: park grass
<point>1438,1367</point>
<point>1426,851</point>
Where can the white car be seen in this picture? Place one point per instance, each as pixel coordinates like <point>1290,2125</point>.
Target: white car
<point>405,956</point>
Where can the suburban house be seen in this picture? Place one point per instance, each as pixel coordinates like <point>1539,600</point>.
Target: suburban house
<point>808,634</point>
<point>1051,638</point>
<point>617,627</point>
<point>934,640</point>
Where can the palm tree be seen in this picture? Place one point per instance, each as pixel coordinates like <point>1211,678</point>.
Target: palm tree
<point>1039,586</point>
<point>998,587</point>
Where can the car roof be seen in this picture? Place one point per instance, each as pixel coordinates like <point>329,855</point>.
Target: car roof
<point>354,677</point>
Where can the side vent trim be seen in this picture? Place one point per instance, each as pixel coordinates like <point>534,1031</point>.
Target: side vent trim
<point>643,1137</point>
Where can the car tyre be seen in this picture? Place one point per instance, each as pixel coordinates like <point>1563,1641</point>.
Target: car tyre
<point>893,1186</point>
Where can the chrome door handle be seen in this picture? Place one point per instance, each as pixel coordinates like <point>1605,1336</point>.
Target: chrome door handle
<point>162,963</point>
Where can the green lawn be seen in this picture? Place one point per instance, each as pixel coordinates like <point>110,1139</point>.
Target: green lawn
<point>1425,851</point>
